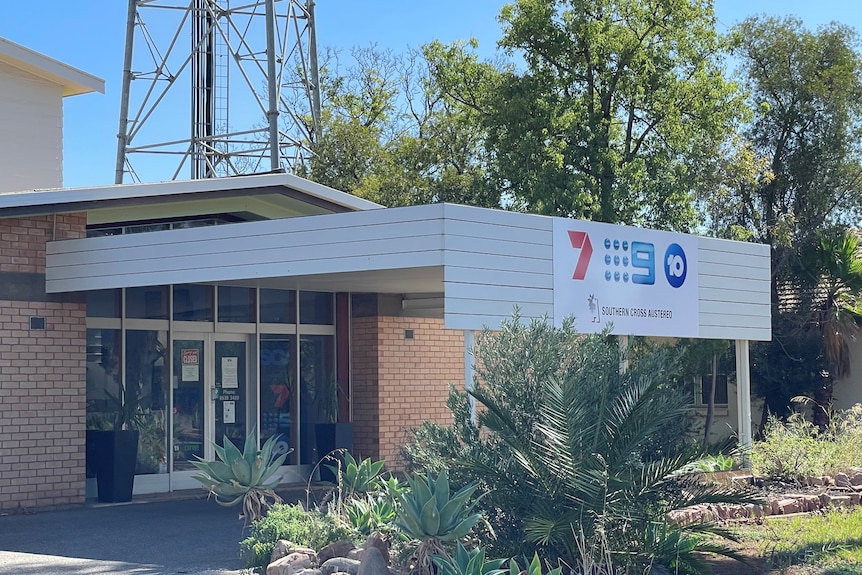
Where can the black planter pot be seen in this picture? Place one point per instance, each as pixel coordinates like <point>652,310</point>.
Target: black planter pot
<point>112,455</point>
<point>329,438</point>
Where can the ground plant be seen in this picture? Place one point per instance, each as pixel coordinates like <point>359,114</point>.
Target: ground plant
<point>310,528</point>
<point>244,476</point>
<point>562,442</point>
<point>796,449</point>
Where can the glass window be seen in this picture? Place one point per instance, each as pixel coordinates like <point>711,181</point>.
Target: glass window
<point>104,303</point>
<point>316,307</point>
<point>103,377</point>
<point>188,409</point>
<point>146,395</point>
<point>193,302</point>
<point>318,392</point>
<point>277,306</point>
<point>236,304</point>
<point>720,389</point>
<point>277,391</point>
<point>147,302</point>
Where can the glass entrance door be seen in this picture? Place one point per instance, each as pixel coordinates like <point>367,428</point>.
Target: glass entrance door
<point>210,398</point>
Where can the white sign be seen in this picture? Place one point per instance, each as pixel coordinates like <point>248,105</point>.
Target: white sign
<point>229,372</point>
<point>229,411</point>
<point>643,282</point>
<point>191,359</point>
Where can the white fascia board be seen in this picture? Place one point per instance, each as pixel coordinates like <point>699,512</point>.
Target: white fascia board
<point>72,80</point>
<point>70,196</point>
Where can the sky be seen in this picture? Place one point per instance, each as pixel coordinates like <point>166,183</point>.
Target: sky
<point>89,35</point>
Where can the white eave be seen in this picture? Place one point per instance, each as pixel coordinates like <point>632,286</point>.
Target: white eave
<point>72,80</point>
<point>81,199</point>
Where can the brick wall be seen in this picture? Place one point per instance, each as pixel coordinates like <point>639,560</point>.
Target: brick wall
<point>411,384</point>
<point>42,373</point>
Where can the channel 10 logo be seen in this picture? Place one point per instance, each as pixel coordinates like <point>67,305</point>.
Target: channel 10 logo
<point>637,263</point>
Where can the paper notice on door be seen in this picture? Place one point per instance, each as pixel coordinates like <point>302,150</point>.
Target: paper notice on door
<point>229,412</point>
<point>229,372</point>
<point>191,364</point>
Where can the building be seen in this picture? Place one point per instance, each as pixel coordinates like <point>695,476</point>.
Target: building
<point>270,302</point>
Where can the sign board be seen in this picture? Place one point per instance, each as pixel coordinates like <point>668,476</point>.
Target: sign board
<point>191,360</point>
<point>640,282</point>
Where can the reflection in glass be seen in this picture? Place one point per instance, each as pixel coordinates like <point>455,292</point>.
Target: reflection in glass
<point>149,302</point>
<point>103,303</point>
<point>236,304</point>
<point>103,377</point>
<point>318,398</point>
<point>277,306</point>
<point>188,415</point>
<point>230,404</point>
<point>316,307</point>
<point>146,396</point>
<point>193,302</point>
<point>277,391</point>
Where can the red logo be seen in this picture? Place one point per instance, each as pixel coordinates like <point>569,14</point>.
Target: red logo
<point>581,241</point>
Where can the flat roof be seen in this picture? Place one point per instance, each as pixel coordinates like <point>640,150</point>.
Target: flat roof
<point>72,80</point>
<point>65,200</point>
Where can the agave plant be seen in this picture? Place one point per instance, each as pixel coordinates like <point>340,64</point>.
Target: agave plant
<point>358,477</point>
<point>242,476</point>
<point>470,563</point>
<point>430,513</point>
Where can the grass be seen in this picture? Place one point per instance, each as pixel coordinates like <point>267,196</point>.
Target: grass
<point>831,542</point>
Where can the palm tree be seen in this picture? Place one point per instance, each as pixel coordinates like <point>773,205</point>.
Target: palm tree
<point>838,268</point>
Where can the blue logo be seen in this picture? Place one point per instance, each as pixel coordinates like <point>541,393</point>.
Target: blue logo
<point>675,265</point>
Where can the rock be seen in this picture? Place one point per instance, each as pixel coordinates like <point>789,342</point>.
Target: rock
<point>339,565</point>
<point>283,547</point>
<point>841,480</point>
<point>356,554</point>
<point>291,564</point>
<point>376,540</point>
<point>841,501</point>
<point>815,481</point>
<point>856,480</point>
<point>788,506</point>
<point>335,549</point>
<point>373,563</point>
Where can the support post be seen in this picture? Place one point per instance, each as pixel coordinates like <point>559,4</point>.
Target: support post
<point>743,400</point>
<point>469,369</point>
<point>624,353</point>
<point>272,88</point>
<point>122,135</point>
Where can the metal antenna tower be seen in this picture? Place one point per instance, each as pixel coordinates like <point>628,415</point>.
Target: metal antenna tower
<point>213,90</point>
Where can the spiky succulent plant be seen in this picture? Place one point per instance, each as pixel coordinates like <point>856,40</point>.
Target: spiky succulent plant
<point>242,476</point>
<point>430,513</point>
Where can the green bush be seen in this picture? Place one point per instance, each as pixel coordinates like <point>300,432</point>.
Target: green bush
<point>795,449</point>
<point>564,445</point>
<point>292,522</point>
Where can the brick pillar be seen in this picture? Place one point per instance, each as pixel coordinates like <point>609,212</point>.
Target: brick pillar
<point>42,372</point>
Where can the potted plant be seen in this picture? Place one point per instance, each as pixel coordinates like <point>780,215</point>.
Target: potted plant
<point>332,438</point>
<point>112,453</point>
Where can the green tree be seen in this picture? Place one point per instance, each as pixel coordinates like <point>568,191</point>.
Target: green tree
<point>388,135</point>
<point>618,113</point>
<point>800,174</point>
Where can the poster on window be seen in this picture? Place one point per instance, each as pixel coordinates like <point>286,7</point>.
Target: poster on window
<point>229,411</point>
<point>230,372</point>
<point>191,360</point>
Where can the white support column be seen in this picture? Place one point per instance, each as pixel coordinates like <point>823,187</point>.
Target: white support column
<point>469,363</point>
<point>743,399</point>
<point>623,341</point>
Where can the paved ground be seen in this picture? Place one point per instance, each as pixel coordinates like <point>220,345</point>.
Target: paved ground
<point>177,536</point>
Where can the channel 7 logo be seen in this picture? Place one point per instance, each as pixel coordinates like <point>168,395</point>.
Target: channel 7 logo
<point>633,262</point>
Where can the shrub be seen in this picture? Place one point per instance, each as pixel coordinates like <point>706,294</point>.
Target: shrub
<point>795,449</point>
<point>564,446</point>
<point>292,522</point>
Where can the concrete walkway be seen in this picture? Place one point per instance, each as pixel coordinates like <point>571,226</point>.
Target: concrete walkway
<point>185,534</point>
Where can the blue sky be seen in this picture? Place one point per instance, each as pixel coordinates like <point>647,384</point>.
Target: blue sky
<point>89,35</point>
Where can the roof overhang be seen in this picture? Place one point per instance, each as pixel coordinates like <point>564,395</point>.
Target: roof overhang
<point>293,191</point>
<point>72,80</point>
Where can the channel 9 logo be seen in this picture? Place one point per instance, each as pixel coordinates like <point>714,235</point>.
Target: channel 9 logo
<point>636,262</point>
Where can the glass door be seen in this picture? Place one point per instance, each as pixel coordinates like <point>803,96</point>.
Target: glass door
<point>210,399</point>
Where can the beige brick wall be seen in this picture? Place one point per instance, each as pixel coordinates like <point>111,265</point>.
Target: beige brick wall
<point>42,378</point>
<point>411,384</point>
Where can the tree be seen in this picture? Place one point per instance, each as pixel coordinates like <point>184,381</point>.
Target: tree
<point>617,115</point>
<point>388,135</point>
<point>800,174</point>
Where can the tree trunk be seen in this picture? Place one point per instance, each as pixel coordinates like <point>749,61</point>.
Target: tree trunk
<point>710,405</point>
<point>823,404</point>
